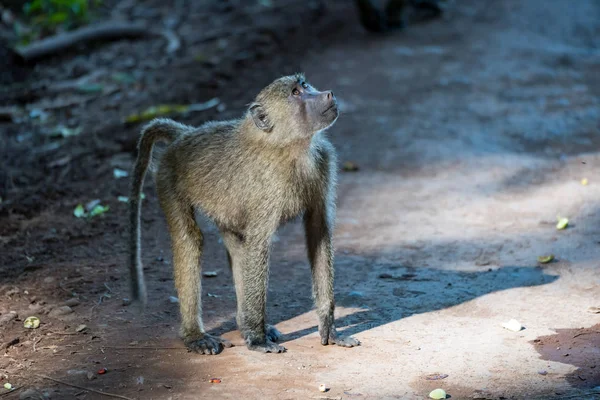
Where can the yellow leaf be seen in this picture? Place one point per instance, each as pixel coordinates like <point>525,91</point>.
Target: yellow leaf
<point>438,394</point>
<point>562,223</point>
<point>545,259</point>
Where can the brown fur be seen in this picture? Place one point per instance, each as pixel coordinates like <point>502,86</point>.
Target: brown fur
<point>248,176</point>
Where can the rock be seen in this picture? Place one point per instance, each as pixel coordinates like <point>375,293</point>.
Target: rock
<point>34,307</point>
<point>6,318</point>
<point>512,325</point>
<point>72,302</point>
<point>31,394</point>
<point>59,311</point>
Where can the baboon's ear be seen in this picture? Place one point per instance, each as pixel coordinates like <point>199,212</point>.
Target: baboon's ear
<point>259,115</point>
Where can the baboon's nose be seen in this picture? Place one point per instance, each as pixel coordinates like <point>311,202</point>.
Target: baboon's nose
<point>330,95</point>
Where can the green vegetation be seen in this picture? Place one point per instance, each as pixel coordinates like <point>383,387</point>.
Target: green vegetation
<point>45,17</point>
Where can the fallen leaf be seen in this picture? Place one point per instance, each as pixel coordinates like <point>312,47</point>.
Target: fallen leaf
<point>102,371</point>
<point>545,259</point>
<point>166,109</point>
<point>513,325</point>
<point>7,386</point>
<point>91,204</point>
<point>79,211</point>
<point>123,199</point>
<point>594,310</point>
<point>31,322</point>
<point>438,394</point>
<point>215,380</point>
<point>562,223</point>
<point>119,173</point>
<point>436,377</point>
<point>99,209</point>
<point>81,328</point>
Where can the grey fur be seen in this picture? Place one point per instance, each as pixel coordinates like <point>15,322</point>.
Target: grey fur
<point>248,176</point>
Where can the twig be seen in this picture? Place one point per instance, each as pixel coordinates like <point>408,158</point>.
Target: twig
<point>103,31</point>
<point>11,391</point>
<point>585,333</point>
<point>83,388</point>
<point>173,42</point>
<point>36,342</point>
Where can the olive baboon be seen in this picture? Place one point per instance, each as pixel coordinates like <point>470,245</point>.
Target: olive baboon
<point>248,176</point>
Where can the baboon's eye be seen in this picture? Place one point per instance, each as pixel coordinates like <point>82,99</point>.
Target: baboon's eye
<point>304,85</point>
<point>295,92</point>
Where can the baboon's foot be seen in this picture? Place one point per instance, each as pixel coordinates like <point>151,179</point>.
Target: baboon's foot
<point>329,335</point>
<point>344,341</point>
<point>266,347</point>
<point>260,342</point>
<point>206,344</point>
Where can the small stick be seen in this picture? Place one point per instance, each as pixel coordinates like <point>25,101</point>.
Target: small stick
<point>585,333</point>
<point>83,388</point>
<point>36,342</point>
<point>11,391</point>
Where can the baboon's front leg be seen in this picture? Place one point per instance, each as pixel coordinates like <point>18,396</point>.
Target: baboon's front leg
<point>252,304</point>
<point>235,255</point>
<point>320,253</point>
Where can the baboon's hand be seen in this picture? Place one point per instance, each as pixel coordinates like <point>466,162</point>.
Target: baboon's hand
<point>206,344</point>
<point>272,333</point>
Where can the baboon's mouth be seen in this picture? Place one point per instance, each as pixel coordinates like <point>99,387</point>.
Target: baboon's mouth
<point>331,107</point>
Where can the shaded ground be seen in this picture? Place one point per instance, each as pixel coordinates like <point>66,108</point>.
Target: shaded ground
<point>471,133</point>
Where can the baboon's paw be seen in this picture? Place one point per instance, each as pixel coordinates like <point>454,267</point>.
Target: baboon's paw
<point>207,344</point>
<point>267,347</point>
<point>272,333</point>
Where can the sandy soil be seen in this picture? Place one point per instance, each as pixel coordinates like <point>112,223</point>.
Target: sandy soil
<point>472,134</point>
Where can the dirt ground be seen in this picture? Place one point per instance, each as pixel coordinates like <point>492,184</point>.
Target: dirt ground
<point>472,133</point>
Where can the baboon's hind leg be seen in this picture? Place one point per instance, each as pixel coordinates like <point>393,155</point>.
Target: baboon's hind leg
<point>186,243</point>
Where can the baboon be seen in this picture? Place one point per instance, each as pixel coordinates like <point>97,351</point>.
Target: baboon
<point>248,176</point>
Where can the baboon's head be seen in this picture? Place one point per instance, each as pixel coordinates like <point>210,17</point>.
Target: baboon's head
<point>290,109</point>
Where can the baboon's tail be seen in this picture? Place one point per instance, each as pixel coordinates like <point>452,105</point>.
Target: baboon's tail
<point>157,130</point>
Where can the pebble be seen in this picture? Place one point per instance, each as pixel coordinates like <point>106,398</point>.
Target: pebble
<point>6,318</point>
<point>31,394</point>
<point>72,302</point>
<point>59,311</point>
